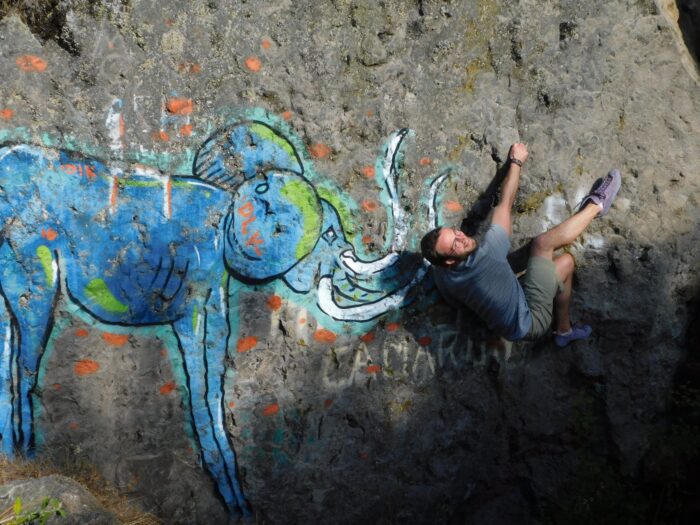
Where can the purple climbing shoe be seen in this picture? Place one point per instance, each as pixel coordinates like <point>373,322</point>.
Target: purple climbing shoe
<point>603,193</point>
<point>578,331</point>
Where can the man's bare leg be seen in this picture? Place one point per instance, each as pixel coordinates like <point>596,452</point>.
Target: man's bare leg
<point>565,233</point>
<point>546,243</point>
<point>565,271</point>
<point>597,202</point>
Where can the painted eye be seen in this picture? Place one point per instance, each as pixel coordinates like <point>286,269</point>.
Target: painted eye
<point>329,235</point>
<point>262,188</point>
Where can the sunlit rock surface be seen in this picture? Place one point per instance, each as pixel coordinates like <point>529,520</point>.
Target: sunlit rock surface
<point>422,417</point>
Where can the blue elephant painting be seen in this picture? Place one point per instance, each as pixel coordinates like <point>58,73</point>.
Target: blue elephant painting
<point>133,246</point>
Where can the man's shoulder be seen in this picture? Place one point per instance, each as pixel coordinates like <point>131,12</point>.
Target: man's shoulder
<point>496,241</point>
<point>455,273</point>
<point>496,232</point>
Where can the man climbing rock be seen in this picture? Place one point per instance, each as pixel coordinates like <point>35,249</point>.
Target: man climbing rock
<point>477,274</point>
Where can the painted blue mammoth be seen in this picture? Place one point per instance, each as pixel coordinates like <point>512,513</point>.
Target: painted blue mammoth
<point>133,246</point>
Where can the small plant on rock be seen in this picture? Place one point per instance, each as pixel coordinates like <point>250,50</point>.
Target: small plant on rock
<point>16,515</point>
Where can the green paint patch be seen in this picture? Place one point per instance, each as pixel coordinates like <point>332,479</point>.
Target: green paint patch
<point>195,319</point>
<point>345,214</point>
<point>100,294</point>
<point>182,184</point>
<point>302,196</point>
<point>44,255</point>
<point>131,183</point>
<point>268,134</point>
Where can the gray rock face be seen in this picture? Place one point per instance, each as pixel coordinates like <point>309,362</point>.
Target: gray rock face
<point>81,507</point>
<point>423,417</point>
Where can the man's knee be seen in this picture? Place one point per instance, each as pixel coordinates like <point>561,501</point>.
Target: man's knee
<point>542,246</point>
<point>565,264</point>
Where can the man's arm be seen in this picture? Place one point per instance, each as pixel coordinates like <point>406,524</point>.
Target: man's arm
<point>501,213</point>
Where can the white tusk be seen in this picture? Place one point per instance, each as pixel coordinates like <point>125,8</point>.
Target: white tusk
<point>366,311</point>
<point>434,187</point>
<point>368,267</point>
<point>390,175</point>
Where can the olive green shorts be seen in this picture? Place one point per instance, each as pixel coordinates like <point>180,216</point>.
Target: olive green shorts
<point>540,284</point>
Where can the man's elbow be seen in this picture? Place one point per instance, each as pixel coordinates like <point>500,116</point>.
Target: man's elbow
<point>503,208</point>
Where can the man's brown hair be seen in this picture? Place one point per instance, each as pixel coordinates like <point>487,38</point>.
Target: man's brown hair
<point>427,247</point>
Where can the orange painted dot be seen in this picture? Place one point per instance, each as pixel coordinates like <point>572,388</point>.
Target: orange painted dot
<point>424,161</point>
<point>73,425</point>
<point>186,130</point>
<point>271,410</point>
<point>370,113</point>
<point>368,337</point>
<point>86,367</point>
<point>425,341</point>
<point>253,64</point>
<point>453,206</point>
<point>266,43</point>
<point>49,234</point>
<point>6,114</point>
<point>373,369</point>
<point>179,106</point>
<point>274,302</point>
<point>232,404</point>
<point>364,455</point>
<point>160,135</point>
<point>324,336</point>
<point>71,169</point>
<point>366,239</point>
<point>57,386</point>
<point>369,205</point>
<point>327,403</point>
<point>287,115</point>
<point>31,63</point>
<point>115,339</point>
<point>319,151</point>
<point>392,327</point>
<point>369,171</point>
<point>81,332</point>
<point>164,352</point>
<point>246,343</point>
<point>189,67</point>
<point>167,388</point>
<point>302,320</point>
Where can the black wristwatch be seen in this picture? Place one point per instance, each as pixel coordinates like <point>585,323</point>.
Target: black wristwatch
<point>516,161</point>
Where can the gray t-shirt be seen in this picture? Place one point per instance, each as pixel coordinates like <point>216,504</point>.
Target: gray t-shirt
<point>485,283</point>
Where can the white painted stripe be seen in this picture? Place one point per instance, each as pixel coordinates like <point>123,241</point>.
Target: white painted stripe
<point>222,302</point>
<point>390,173</point>
<point>113,124</point>
<point>367,267</point>
<point>434,187</point>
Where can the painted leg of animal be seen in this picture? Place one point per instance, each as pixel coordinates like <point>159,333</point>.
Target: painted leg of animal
<point>29,277</point>
<point>8,364</point>
<point>203,336</point>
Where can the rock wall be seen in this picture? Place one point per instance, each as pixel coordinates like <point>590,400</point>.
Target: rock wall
<point>211,211</point>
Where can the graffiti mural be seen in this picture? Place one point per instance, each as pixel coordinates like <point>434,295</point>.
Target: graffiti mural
<point>131,245</point>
